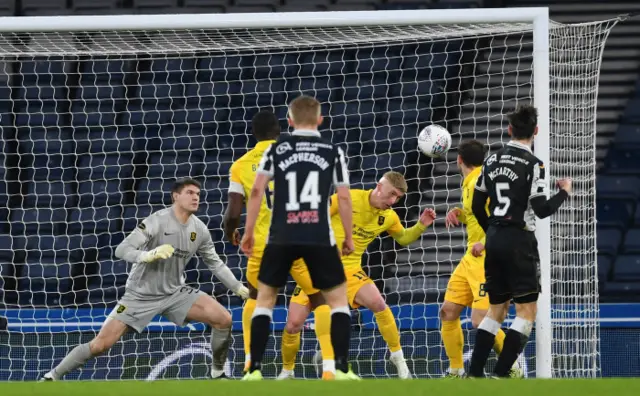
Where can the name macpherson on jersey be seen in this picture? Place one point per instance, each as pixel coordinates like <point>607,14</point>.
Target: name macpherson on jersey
<point>304,167</point>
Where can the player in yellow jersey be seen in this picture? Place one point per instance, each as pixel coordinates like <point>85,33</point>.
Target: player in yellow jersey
<point>466,285</point>
<point>266,128</point>
<point>372,215</point>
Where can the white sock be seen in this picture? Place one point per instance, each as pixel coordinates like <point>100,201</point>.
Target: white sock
<point>329,365</point>
<point>399,355</point>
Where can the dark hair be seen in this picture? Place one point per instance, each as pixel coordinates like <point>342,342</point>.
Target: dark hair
<point>523,122</point>
<point>472,152</point>
<point>179,184</point>
<point>265,125</point>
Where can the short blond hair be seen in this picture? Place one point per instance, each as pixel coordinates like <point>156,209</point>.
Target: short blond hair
<point>396,180</point>
<point>304,110</point>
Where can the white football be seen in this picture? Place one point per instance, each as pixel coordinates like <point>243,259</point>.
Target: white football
<point>434,141</point>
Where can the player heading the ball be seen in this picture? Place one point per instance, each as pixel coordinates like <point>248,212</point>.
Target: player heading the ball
<point>514,181</point>
<point>304,168</point>
<point>266,129</point>
<point>159,248</point>
<point>373,215</point>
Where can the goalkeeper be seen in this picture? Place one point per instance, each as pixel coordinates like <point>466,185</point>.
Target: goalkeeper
<point>372,215</point>
<point>160,248</point>
<point>466,285</point>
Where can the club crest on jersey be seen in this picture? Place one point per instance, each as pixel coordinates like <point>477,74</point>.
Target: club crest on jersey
<point>380,220</point>
<point>192,237</point>
<point>142,226</point>
<point>120,309</point>
<point>283,148</point>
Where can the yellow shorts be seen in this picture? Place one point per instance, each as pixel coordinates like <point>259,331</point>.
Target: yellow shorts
<point>466,285</point>
<point>356,278</point>
<point>298,271</point>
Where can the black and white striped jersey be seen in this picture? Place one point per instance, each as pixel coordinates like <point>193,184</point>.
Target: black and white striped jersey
<point>304,168</point>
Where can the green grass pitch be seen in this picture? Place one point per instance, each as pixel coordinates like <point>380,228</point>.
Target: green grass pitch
<point>435,387</point>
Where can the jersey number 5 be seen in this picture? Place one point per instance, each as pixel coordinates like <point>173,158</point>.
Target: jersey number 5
<point>308,194</point>
<point>503,200</point>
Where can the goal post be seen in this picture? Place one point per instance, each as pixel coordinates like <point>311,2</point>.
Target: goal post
<point>101,113</point>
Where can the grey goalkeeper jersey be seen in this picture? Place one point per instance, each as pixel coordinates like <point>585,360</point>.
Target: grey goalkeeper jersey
<point>164,277</point>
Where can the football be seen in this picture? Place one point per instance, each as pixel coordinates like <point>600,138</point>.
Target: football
<point>434,141</point>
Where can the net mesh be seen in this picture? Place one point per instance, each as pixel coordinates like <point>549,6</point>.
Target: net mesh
<point>96,125</point>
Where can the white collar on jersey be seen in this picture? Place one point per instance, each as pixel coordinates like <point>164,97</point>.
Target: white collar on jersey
<point>306,132</point>
<point>513,143</point>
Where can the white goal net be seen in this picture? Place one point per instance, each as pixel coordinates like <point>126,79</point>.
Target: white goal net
<point>96,125</point>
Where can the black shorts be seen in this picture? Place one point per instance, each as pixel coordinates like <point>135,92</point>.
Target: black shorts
<point>512,265</point>
<point>323,263</point>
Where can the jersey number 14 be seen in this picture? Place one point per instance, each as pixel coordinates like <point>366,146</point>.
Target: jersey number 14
<point>308,194</point>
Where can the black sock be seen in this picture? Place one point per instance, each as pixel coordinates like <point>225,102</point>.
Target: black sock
<point>481,351</point>
<point>259,336</point>
<point>340,338</point>
<point>514,343</point>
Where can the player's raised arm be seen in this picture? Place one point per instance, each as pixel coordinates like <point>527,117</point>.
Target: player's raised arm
<point>132,248</point>
<point>479,203</point>
<point>207,251</point>
<point>542,206</point>
<point>235,196</point>
<point>345,206</point>
<point>263,176</point>
<point>405,236</point>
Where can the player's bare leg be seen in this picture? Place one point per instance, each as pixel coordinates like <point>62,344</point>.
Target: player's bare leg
<point>336,298</point>
<point>112,330</point>
<point>369,296</point>
<point>209,311</point>
<point>518,334</point>
<point>485,337</point>
<point>260,324</point>
<point>296,317</point>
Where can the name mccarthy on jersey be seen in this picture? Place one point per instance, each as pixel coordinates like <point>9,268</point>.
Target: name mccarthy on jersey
<point>502,171</point>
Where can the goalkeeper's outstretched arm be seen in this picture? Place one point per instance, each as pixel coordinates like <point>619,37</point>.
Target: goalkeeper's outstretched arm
<point>132,249</point>
<point>219,268</point>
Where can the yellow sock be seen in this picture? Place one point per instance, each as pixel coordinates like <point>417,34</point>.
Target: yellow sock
<point>322,316</point>
<point>389,329</point>
<point>290,348</point>
<point>247,313</point>
<point>453,340</point>
<point>499,342</point>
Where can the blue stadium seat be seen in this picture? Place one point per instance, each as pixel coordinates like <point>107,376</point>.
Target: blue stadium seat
<point>362,113</point>
<point>618,187</point>
<point>5,98</point>
<point>99,193</point>
<point>133,215</point>
<point>9,245</point>
<point>212,191</point>
<point>112,273</point>
<point>376,60</point>
<point>431,66</point>
<point>408,112</point>
<point>271,66</point>
<point>323,63</point>
<point>35,113</point>
<point>107,140</point>
<point>148,118</point>
<point>322,88</point>
<point>627,135</point>
<point>631,113</point>
<point>116,166</point>
<point>198,119</point>
<point>211,214</point>
<point>210,93</point>
<point>49,167</point>
<point>622,289</point>
<point>631,241</point>
<point>53,140</point>
<point>623,161</point>
<point>49,194</point>
<point>263,93</point>
<point>43,79</point>
<point>627,268</point>
<point>41,221</point>
<point>171,165</point>
<point>154,191</point>
<point>604,267</point>
<point>94,220</point>
<point>609,240</point>
<point>365,87</point>
<point>613,213</point>
<point>219,68</point>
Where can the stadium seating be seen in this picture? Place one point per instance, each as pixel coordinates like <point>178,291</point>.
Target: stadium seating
<point>130,126</point>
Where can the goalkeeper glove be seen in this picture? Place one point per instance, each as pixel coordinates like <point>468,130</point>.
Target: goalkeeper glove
<point>160,253</point>
<point>241,292</point>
